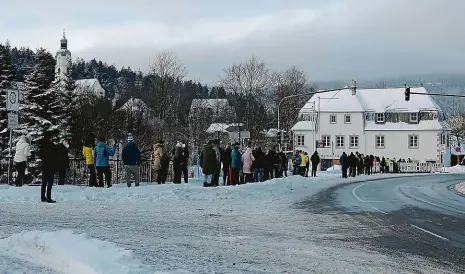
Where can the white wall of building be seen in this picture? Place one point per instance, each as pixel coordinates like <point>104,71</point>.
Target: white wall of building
<point>339,128</point>
<point>397,145</point>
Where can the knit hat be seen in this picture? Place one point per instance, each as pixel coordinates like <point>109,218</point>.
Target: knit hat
<point>130,138</point>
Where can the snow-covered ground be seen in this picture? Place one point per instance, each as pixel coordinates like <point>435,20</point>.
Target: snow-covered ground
<point>251,228</point>
<point>460,188</point>
<point>454,169</point>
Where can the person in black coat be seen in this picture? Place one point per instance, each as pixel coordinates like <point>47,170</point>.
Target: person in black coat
<point>209,164</point>
<point>315,159</point>
<point>226,160</point>
<point>352,163</point>
<point>344,164</point>
<point>62,161</point>
<point>284,163</point>
<point>259,164</point>
<point>367,165</point>
<point>184,162</point>
<point>47,155</point>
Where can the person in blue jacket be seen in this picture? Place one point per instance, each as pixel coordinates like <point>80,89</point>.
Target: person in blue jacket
<point>102,153</point>
<point>131,159</point>
<point>236,164</point>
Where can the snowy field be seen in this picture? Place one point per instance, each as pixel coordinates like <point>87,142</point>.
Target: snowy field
<point>250,228</point>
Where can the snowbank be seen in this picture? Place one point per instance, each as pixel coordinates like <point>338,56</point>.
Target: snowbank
<point>151,193</point>
<point>460,188</point>
<point>66,252</point>
<point>454,169</point>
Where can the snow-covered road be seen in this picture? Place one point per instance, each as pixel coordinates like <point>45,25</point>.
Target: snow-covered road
<point>251,228</point>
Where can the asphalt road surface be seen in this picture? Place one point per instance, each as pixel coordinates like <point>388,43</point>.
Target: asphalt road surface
<point>419,215</point>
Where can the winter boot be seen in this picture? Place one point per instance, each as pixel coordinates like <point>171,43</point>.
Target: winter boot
<point>50,201</point>
<point>205,184</point>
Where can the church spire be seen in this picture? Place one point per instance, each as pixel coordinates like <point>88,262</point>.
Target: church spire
<point>64,41</point>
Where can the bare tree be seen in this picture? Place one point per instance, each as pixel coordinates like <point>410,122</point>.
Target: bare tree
<point>200,118</point>
<point>250,80</point>
<point>168,73</point>
<point>292,81</point>
<point>457,125</point>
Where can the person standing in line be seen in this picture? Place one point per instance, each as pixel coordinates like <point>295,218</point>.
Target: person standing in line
<point>62,161</point>
<point>296,161</point>
<point>315,159</point>
<point>284,163</point>
<point>159,158</point>
<point>132,158</point>
<point>226,159</point>
<point>259,164</point>
<point>307,164</point>
<point>216,175</point>
<point>184,162</point>
<point>177,160</point>
<point>247,161</point>
<point>22,152</point>
<point>88,153</point>
<point>47,155</point>
<point>303,164</point>
<point>352,163</point>
<point>344,164</point>
<point>236,164</point>
<point>102,153</point>
<point>209,164</point>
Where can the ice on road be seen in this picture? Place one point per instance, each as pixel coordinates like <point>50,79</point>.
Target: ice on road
<point>251,228</point>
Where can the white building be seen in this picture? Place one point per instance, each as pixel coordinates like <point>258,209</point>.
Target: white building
<point>373,121</point>
<point>89,85</point>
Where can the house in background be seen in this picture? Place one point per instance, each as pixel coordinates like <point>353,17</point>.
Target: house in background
<point>216,107</point>
<point>373,121</point>
<point>229,133</point>
<point>89,85</point>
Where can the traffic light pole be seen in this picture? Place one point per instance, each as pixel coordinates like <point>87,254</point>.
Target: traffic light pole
<point>354,88</point>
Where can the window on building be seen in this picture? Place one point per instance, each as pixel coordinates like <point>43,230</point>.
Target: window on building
<point>380,142</point>
<point>353,141</point>
<point>444,139</point>
<point>300,140</point>
<point>332,119</point>
<point>413,141</point>
<point>347,119</point>
<point>379,117</point>
<point>339,141</point>
<point>414,117</point>
<point>327,141</point>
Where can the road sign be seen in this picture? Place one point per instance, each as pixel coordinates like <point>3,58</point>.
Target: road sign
<point>12,100</point>
<point>13,120</point>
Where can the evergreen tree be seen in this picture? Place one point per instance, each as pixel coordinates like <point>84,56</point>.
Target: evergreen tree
<point>41,104</point>
<point>6,83</point>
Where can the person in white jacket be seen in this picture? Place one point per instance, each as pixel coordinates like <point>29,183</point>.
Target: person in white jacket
<point>23,151</point>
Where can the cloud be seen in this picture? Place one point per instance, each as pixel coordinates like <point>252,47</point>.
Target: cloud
<point>342,39</point>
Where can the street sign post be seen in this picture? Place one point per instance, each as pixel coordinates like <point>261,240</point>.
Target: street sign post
<point>12,100</point>
<point>13,120</point>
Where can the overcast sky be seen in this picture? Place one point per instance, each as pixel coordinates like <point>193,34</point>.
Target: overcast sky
<point>329,39</point>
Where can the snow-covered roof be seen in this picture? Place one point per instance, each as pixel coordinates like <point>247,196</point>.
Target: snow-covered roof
<point>271,133</point>
<point>210,103</point>
<point>134,104</point>
<point>376,100</point>
<point>86,83</point>
<point>222,127</point>
<point>334,101</point>
<point>423,125</point>
<point>303,125</point>
<point>392,99</point>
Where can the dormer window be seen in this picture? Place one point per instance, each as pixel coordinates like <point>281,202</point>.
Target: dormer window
<point>380,118</point>
<point>414,117</point>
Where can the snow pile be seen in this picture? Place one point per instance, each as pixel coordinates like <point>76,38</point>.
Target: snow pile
<point>454,169</point>
<point>334,169</point>
<point>66,252</point>
<point>460,188</point>
<point>152,193</point>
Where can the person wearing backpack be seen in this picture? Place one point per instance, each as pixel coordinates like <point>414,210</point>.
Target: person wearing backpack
<point>131,157</point>
<point>102,153</point>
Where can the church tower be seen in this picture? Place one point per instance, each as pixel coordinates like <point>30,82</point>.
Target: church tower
<point>63,59</point>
